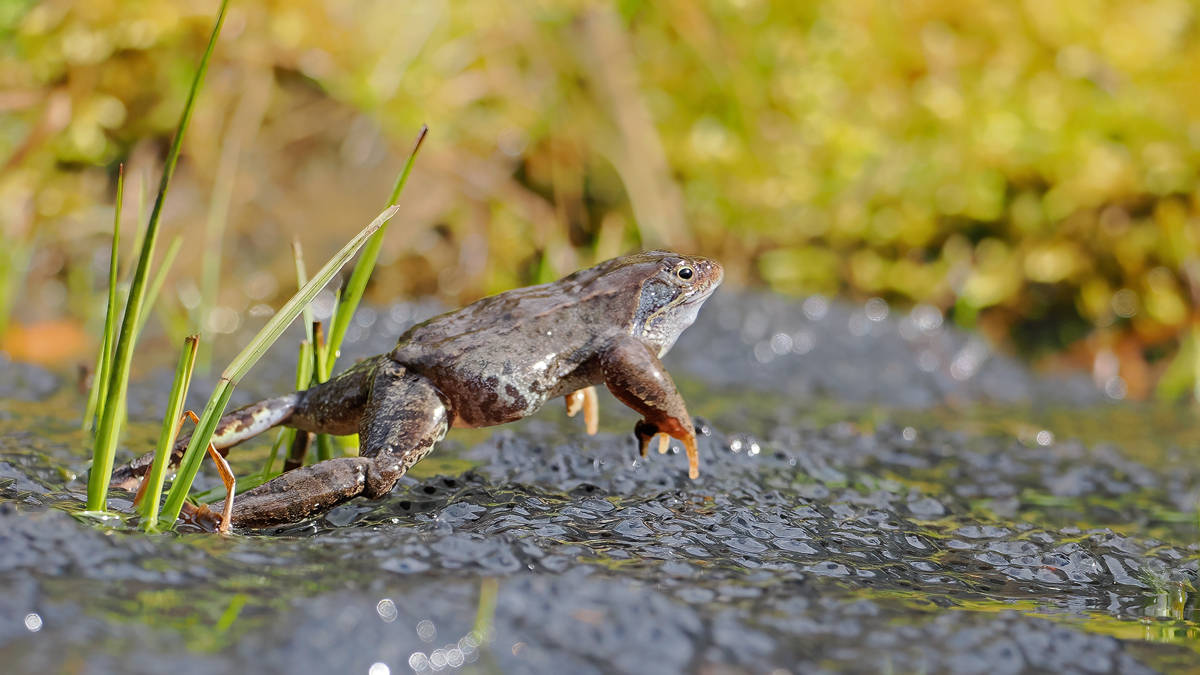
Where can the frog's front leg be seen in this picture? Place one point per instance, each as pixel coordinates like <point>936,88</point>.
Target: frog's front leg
<point>404,416</point>
<point>637,378</point>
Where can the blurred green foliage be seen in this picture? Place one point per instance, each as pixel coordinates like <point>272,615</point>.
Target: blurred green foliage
<point>1028,167</point>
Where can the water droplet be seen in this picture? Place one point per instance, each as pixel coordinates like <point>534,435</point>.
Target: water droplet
<point>929,361</point>
<point>803,342</point>
<point>387,610</point>
<point>418,662</point>
<point>927,317</point>
<point>763,352</point>
<point>859,325</point>
<point>1115,388</point>
<point>877,309</point>
<point>781,343</point>
<point>815,307</point>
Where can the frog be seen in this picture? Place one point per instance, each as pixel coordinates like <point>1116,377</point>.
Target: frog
<point>492,362</point>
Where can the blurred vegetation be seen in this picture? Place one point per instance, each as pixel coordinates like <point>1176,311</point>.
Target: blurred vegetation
<point>1029,168</point>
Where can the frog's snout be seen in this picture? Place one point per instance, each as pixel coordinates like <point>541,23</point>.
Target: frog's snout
<point>709,271</point>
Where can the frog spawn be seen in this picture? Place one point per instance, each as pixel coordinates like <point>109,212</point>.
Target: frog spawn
<point>801,548</point>
<point>610,563</point>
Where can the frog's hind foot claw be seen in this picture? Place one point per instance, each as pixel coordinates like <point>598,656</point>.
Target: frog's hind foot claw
<point>646,432</point>
<point>586,400</point>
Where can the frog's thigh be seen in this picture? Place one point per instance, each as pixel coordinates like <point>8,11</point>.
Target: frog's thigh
<point>637,378</point>
<point>404,417</point>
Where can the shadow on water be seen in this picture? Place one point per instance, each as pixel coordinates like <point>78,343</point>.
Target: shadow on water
<point>823,536</point>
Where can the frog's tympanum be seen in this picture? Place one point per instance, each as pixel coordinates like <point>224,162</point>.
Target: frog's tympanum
<point>495,361</point>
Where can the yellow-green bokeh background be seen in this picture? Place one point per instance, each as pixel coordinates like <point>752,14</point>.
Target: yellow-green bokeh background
<point>1028,167</point>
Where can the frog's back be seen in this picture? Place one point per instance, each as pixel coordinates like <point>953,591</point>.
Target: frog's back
<point>500,358</point>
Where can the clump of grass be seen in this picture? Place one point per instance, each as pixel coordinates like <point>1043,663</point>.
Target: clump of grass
<point>325,352</point>
<point>117,377</point>
<point>245,360</point>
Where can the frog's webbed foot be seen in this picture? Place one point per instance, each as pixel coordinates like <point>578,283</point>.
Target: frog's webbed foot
<point>201,516</point>
<point>637,378</point>
<point>403,418</point>
<point>585,399</point>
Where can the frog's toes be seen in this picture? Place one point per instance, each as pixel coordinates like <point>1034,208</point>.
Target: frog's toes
<point>586,400</point>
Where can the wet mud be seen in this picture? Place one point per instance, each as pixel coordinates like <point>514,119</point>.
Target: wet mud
<point>861,509</point>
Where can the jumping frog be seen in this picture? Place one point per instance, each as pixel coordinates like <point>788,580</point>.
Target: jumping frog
<point>492,362</point>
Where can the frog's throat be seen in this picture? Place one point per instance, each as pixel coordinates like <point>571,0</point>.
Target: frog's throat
<point>664,327</point>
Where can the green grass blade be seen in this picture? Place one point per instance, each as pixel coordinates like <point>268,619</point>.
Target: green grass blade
<point>275,327</point>
<point>319,351</point>
<point>170,431</point>
<point>192,457</point>
<point>139,234</point>
<point>106,436</point>
<point>303,378</point>
<point>301,280</point>
<point>324,447</point>
<point>98,377</point>
<point>160,278</point>
<point>14,267</point>
<point>268,469</point>
<point>325,356</point>
<point>246,360</point>
<point>366,264</point>
<point>99,390</point>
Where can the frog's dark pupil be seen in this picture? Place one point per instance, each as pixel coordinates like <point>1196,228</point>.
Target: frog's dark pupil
<point>685,273</point>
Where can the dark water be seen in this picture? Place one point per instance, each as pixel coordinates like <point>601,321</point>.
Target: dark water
<point>894,500</point>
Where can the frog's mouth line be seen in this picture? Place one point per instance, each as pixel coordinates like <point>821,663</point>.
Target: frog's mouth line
<point>701,296</point>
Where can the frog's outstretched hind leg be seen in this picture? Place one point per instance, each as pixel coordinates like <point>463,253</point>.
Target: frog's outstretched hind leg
<point>403,418</point>
<point>232,429</point>
<point>333,408</point>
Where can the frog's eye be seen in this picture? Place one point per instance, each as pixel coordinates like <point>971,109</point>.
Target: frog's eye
<point>685,273</point>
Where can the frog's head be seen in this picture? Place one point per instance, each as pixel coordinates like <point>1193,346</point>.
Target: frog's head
<point>673,288</point>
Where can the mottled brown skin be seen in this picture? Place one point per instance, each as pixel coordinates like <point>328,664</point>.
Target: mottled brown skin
<point>495,361</point>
